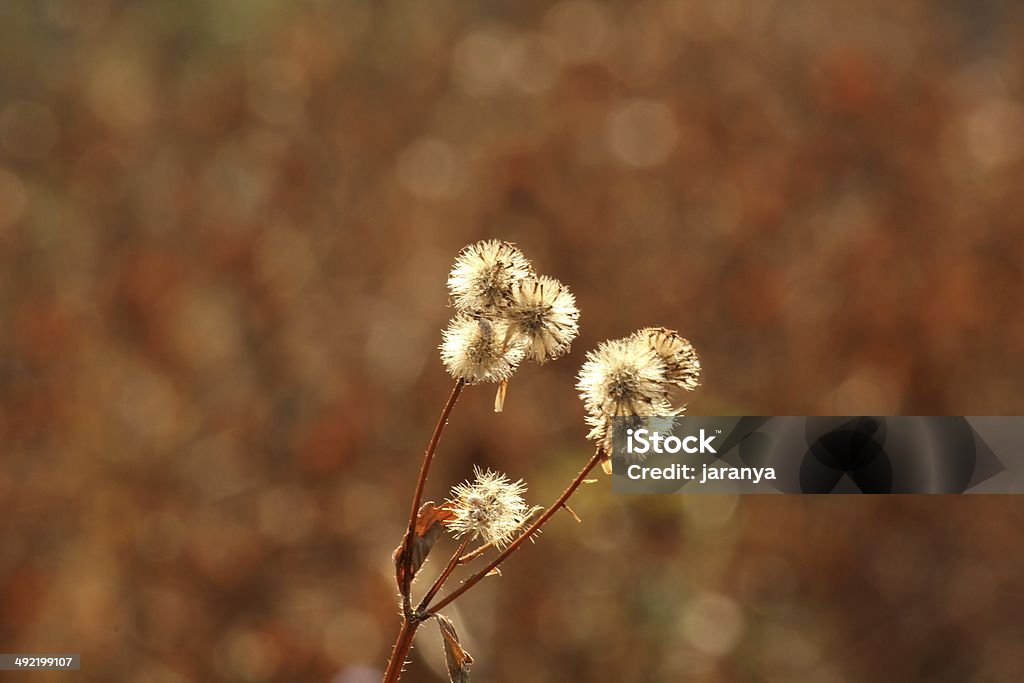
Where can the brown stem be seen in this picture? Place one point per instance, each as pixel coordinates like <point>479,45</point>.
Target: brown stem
<point>417,497</point>
<point>480,550</point>
<point>449,568</point>
<point>428,455</point>
<point>475,553</point>
<point>401,650</point>
<point>533,528</point>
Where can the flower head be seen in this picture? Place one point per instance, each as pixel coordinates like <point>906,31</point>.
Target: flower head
<point>490,508</point>
<point>624,377</point>
<point>543,313</point>
<point>682,364</point>
<point>625,383</point>
<point>484,275</point>
<point>477,350</point>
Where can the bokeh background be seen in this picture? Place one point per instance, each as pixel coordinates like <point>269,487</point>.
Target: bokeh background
<point>225,229</point>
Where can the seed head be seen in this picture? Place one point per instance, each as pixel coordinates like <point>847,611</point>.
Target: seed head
<point>624,377</point>
<point>484,275</point>
<point>490,508</point>
<point>682,364</point>
<point>625,383</point>
<point>543,314</point>
<point>476,350</point>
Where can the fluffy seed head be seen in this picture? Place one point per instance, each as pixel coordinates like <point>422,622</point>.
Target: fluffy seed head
<point>484,275</point>
<point>625,383</point>
<point>624,377</point>
<point>491,508</point>
<point>477,350</point>
<point>682,364</point>
<point>543,314</point>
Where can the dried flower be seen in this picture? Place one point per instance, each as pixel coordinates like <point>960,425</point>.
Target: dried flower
<point>543,313</point>
<point>624,377</point>
<point>682,364</point>
<point>490,508</point>
<point>626,383</point>
<point>484,275</point>
<point>475,350</point>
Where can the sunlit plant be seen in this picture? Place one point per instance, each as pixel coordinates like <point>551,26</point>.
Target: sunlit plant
<point>507,314</point>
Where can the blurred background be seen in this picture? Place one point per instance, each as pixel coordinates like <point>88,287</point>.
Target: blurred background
<point>225,229</point>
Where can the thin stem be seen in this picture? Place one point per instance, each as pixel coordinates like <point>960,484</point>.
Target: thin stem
<point>428,455</point>
<point>417,497</point>
<point>401,650</point>
<point>449,568</point>
<point>480,550</point>
<point>403,643</point>
<point>533,528</point>
<point>475,553</point>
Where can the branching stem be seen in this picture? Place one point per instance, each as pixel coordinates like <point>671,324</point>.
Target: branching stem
<point>449,568</point>
<point>417,497</point>
<point>530,531</point>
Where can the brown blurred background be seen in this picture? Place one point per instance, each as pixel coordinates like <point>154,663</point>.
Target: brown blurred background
<point>225,229</point>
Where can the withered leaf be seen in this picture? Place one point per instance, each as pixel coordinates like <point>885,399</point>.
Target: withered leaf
<point>499,397</point>
<point>458,659</point>
<point>430,515</point>
<point>427,531</point>
<point>572,512</point>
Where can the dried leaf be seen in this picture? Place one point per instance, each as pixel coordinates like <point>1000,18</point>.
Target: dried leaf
<point>459,661</point>
<point>427,531</point>
<point>499,397</point>
<point>430,515</point>
<point>572,512</point>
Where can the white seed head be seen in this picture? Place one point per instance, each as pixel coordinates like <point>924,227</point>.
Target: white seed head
<point>484,275</point>
<point>491,508</point>
<point>479,350</point>
<point>625,384</point>
<point>682,364</point>
<point>543,314</point>
<point>623,377</point>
